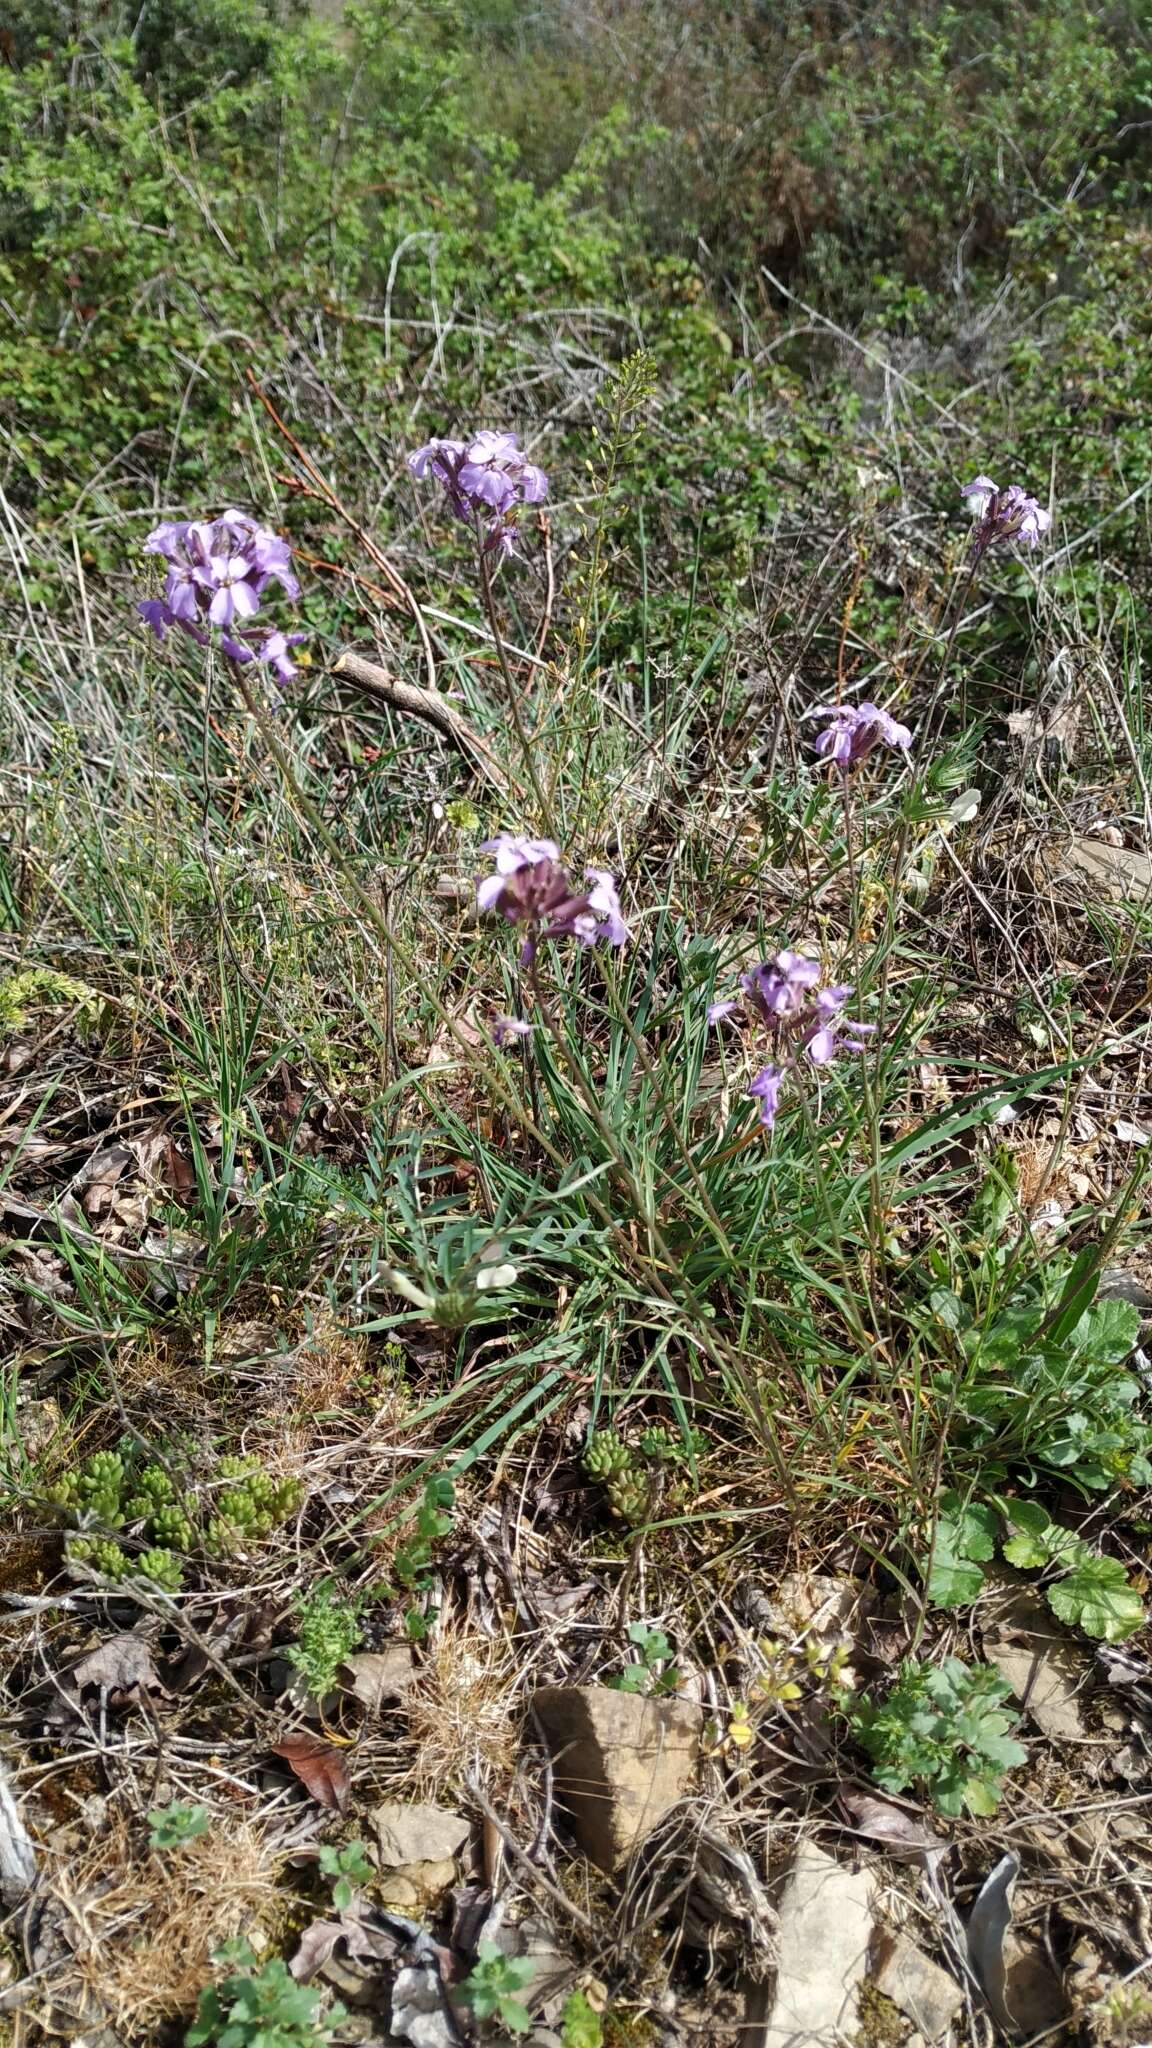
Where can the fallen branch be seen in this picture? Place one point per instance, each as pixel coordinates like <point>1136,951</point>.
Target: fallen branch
<point>429,705</point>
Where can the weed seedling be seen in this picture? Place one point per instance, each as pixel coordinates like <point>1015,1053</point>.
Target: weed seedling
<point>259,2008</point>
<point>492,1989</point>
<point>350,1868</point>
<point>173,1825</point>
<point>945,1727</point>
<point>652,1673</point>
<point>1082,1588</point>
<point>329,1630</point>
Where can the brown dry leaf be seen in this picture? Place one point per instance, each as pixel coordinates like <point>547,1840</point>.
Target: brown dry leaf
<point>96,1181</point>
<point>369,1940</point>
<point>376,1677</point>
<point>317,1944</point>
<point>1060,726</point>
<point>162,1163</point>
<point>320,1769</point>
<point>902,1834</point>
<point>123,1669</point>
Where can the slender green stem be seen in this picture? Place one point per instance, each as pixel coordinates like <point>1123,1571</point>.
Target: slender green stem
<point>512,694</point>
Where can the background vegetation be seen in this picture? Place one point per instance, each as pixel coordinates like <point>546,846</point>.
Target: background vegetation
<point>760,286</point>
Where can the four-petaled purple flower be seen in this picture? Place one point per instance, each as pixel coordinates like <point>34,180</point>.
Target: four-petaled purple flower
<point>766,1088</point>
<point>531,888</point>
<point>1003,515</point>
<point>484,478</point>
<point>854,731</point>
<point>217,574</point>
<point>802,1019</point>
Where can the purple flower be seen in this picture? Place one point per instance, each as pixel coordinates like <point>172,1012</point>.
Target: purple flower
<point>854,731</point>
<point>512,852</point>
<point>1003,515</point>
<point>504,1028</point>
<point>233,594</point>
<point>217,573</point>
<point>156,613</point>
<point>604,905</point>
<point>531,888</point>
<point>829,1032</point>
<point>779,987</point>
<point>766,1089</point>
<point>485,478</point>
<point>801,1018</point>
<point>274,652</point>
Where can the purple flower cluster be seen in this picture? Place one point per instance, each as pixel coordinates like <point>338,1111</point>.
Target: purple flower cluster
<point>783,994</point>
<point>217,573</point>
<point>854,731</point>
<point>484,478</point>
<point>1003,515</point>
<point>531,888</point>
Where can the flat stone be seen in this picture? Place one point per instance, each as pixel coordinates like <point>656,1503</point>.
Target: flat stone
<point>1113,874</point>
<point>621,1762</point>
<point>1044,1667</point>
<point>824,1936</point>
<point>413,1886</point>
<point>417,1834</point>
<point>923,1991</point>
<point>1032,1995</point>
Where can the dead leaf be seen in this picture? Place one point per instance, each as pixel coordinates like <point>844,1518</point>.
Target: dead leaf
<point>1057,727</point>
<point>902,1834</point>
<point>96,1181</point>
<point>1115,873</point>
<point>566,1600</point>
<point>162,1163</point>
<point>123,1669</point>
<point>320,1768</point>
<point>988,1925</point>
<point>369,1940</point>
<point>317,1943</point>
<point>376,1677</point>
<point>1024,1993</point>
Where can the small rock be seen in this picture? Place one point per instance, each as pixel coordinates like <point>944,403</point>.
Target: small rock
<point>621,1762</point>
<point>923,1991</point>
<point>825,1611</point>
<point>1042,1664</point>
<point>811,1603</point>
<point>412,1887</point>
<point>1032,1995</point>
<point>37,1423</point>
<point>417,1834</point>
<point>1114,874</point>
<point>824,1935</point>
<point>417,1848</point>
<point>418,2013</point>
